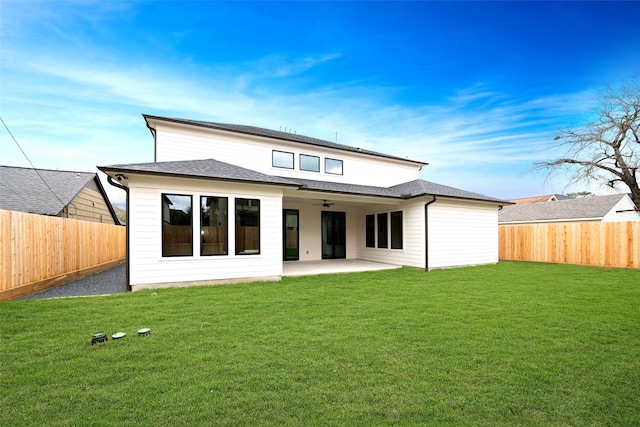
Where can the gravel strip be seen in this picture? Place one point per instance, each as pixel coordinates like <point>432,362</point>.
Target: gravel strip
<point>112,281</point>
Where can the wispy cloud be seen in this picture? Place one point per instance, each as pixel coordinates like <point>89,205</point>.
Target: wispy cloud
<point>81,105</point>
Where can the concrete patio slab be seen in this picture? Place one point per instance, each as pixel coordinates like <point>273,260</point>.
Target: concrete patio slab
<point>308,268</point>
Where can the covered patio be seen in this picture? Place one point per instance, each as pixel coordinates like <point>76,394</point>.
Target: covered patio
<point>308,268</point>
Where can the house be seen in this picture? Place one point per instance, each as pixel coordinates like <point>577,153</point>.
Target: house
<point>537,199</point>
<point>225,203</point>
<point>616,207</point>
<point>67,194</point>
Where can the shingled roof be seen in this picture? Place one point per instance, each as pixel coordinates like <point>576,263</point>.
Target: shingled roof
<point>586,208</point>
<point>286,136</point>
<point>41,191</point>
<point>214,169</point>
<point>206,168</point>
<point>537,199</point>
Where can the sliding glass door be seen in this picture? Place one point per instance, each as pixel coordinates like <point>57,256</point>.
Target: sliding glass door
<point>334,235</point>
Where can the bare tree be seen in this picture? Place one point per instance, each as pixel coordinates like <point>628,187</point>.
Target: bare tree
<point>607,150</point>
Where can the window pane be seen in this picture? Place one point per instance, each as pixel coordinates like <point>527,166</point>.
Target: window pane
<point>371,231</point>
<point>247,226</point>
<point>382,230</point>
<point>282,159</point>
<point>333,166</point>
<point>396,230</point>
<point>213,226</point>
<point>177,232</point>
<point>309,163</point>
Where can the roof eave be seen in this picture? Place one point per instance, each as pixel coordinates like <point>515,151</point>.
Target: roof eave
<point>192,176</point>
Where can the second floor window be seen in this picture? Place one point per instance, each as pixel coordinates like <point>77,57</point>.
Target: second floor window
<point>309,163</point>
<point>333,166</point>
<point>282,159</point>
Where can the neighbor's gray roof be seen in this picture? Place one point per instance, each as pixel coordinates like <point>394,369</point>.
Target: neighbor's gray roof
<point>25,191</point>
<point>215,169</point>
<point>206,168</point>
<point>287,136</point>
<point>582,208</point>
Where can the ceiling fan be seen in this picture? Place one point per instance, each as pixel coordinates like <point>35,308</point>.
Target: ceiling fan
<point>325,204</point>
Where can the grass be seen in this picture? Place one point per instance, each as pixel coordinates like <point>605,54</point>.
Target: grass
<point>509,344</point>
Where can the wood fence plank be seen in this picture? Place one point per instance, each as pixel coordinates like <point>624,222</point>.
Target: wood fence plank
<point>610,244</point>
<point>37,248</point>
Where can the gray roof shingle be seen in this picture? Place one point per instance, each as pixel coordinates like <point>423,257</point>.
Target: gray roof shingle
<point>206,168</point>
<point>214,169</point>
<point>582,208</point>
<point>407,190</point>
<point>269,133</point>
<point>24,190</point>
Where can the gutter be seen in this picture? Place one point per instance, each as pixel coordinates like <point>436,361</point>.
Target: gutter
<point>426,233</point>
<point>126,190</point>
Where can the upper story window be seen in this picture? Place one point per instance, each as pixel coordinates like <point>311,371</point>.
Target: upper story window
<point>333,166</point>
<point>177,225</point>
<point>282,159</point>
<point>309,163</point>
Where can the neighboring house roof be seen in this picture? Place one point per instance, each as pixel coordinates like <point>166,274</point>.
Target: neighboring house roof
<point>214,169</point>
<point>536,199</point>
<point>287,136</point>
<point>44,191</point>
<point>586,208</point>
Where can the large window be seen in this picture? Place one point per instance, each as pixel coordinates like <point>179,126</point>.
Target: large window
<point>214,226</point>
<point>309,163</point>
<point>177,225</point>
<point>247,226</point>
<point>333,166</point>
<point>282,159</point>
<point>382,230</point>
<point>370,227</point>
<point>396,230</point>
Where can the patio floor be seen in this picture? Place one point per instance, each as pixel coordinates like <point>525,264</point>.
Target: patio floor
<point>308,268</point>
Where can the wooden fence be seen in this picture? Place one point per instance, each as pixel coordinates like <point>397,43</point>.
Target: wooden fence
<point>37,251</point>
<point>608,244</point>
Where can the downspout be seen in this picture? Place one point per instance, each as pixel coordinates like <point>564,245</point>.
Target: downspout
<point>426,234</point>
<point>126,190</point>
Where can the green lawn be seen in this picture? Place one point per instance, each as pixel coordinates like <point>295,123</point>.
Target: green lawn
<point>508,344</point>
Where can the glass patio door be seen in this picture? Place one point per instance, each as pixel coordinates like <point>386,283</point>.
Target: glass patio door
<point>334,235</point>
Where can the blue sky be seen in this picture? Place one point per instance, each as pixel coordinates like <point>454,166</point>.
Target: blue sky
<point>477,89</point>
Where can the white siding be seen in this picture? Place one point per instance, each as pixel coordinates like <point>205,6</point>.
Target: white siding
<point>179,142</point>
<point>462,233</point>
<point>149,267</point>
<point>412,252</point>
<point>625,204</point>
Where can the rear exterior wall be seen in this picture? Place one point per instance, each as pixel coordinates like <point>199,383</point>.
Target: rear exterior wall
<point>149,267</point>
<point>462,233</point>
